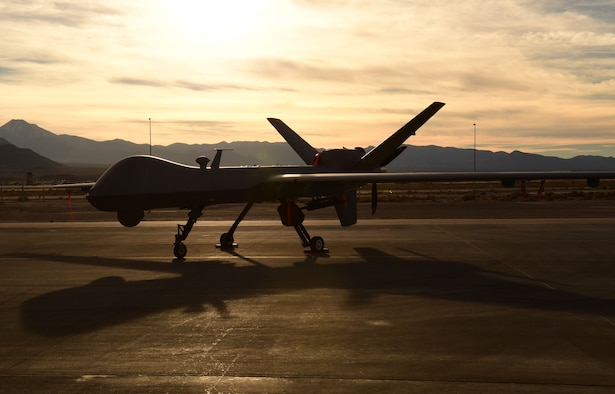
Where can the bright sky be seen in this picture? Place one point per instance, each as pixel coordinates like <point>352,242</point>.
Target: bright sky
<point>536,76</point>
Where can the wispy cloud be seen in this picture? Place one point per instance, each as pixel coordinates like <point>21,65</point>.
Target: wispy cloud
<point>600,10</point>
<point>287,69</point>
<point>188,85</point>
<point>64,13</point>
<point>4,71</point>
<point>138,82</point>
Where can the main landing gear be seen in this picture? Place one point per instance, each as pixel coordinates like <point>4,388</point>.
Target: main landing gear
<point>290,215</point>
<point>227,240</point>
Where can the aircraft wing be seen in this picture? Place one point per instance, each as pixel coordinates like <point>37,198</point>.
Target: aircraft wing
<point>83,186</point>
<point>592,177</point>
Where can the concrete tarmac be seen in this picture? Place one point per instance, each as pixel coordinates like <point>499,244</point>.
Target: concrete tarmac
<point>463,305</point>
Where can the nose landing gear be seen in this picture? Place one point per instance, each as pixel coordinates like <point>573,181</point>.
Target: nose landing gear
<point>179,249</point>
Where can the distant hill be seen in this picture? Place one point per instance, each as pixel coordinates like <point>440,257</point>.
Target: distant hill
<point>77,150</point>
<point>74,150</point>
<point>13,158</point>
<point>436,158</point>
<point>67,149</point>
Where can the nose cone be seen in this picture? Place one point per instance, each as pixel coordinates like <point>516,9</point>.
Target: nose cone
<point>121,181</point>
<point>143,182</point>
<point>99,199</point>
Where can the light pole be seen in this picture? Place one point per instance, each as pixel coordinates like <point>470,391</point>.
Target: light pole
<point>475,160</point>
<point>150,136</point>
<point>474,147</point>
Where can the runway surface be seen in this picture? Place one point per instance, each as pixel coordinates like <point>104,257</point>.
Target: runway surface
<point>471,304</point>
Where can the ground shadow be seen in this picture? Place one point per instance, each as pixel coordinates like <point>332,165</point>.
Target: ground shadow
<point>198,287</point>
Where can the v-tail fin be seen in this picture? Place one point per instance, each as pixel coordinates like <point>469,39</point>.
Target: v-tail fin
<point>306,151</point>
<point>389,148</point>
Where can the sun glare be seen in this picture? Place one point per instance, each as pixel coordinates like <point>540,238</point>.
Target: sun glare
<point>215,21</point>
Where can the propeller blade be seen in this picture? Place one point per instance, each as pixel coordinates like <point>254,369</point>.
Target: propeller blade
<point>374,197</point>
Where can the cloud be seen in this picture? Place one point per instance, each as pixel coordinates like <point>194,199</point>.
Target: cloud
<point>202,87</point>
<point>601,10</point>
<point>586,55</point>
<point>71,14</point>
<point>40,59</point>
<point>138,82</point>
<point>402,91</point>
<point>6,71</point>
<point>182,84</point>
<point>295,69</point>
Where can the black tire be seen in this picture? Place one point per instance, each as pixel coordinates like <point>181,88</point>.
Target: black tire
<point>317,244</point>
<point>180,250</point>
<point>226,240</point>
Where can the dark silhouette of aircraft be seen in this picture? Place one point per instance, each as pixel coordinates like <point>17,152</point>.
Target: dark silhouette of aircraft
<point>328,178</point>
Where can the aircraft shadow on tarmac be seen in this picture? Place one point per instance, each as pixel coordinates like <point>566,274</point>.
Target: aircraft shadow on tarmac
<point>202,287</point>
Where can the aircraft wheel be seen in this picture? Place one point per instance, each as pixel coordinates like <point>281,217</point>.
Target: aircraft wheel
<point>226,240</point>
<point>317,244</point>
<point>180,250</point>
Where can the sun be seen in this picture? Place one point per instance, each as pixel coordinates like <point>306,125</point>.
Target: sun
<point>215,21</point>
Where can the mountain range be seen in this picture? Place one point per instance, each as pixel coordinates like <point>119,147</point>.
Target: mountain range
<point>68,150</point>
<point>13,158</point>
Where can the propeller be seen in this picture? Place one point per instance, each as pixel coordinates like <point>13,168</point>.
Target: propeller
<point>374,197</point>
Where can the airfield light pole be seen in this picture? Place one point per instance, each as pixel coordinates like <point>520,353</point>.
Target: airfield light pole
<point>475,160</point>
<point>474,147</point>
<point>150,136</point>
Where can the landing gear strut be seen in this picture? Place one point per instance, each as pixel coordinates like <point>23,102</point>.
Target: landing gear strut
<point>179,249</point>
<point>291,215</point>
<point>227,240</point>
